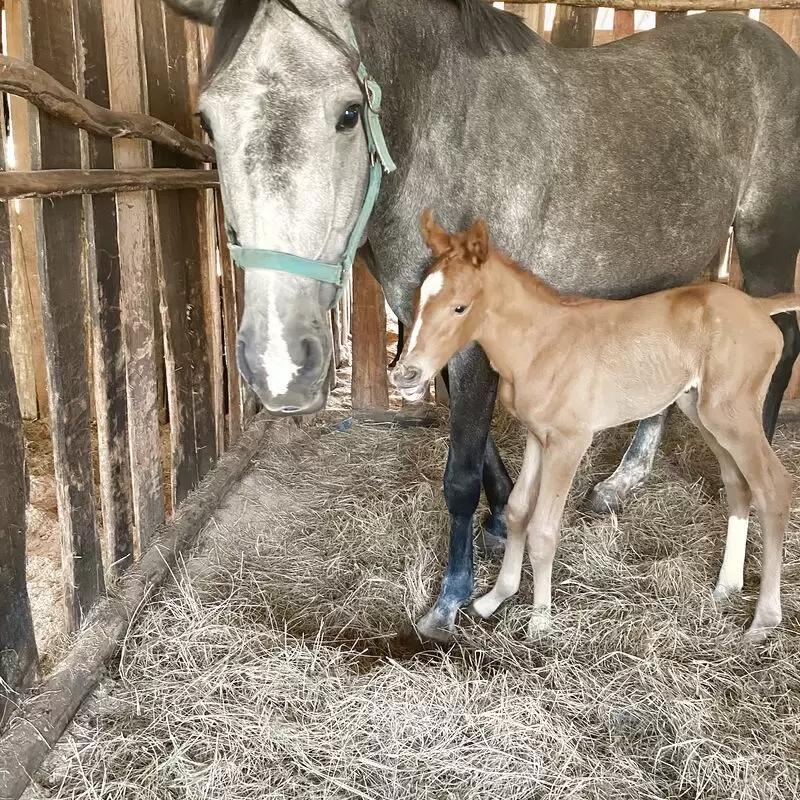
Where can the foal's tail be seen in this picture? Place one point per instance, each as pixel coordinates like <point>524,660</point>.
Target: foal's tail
<point>779,302</point>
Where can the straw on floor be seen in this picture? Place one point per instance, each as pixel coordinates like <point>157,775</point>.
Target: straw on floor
<point>283,664</point>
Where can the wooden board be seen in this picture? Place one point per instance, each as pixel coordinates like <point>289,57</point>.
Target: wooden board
<point>623,24</point>
<point>192,423</point>
<point>105,283</point>
<point>370,388</point>
<point>18,658</point>
<point>573,27</point>
<point>65,313</point>
<point>134,235</point>
<point>26,316</point>
<point>532,14</point>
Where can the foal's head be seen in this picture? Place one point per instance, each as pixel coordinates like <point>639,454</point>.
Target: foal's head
<point>450,309</point>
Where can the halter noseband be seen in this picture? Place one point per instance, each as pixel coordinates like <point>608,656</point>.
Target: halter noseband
<point>380,161</point>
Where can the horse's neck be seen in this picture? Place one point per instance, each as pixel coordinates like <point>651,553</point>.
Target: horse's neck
<point>523,315</point>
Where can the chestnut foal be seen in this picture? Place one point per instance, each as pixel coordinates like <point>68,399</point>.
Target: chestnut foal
<point>572,366</point>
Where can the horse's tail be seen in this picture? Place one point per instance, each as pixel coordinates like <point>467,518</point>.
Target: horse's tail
<point>779,302</point>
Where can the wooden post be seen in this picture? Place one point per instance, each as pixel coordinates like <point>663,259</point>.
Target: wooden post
<point>573,26</point>
<point>62,275</point>
<point>27,330</point>
<point>665,17</point>
<point>111,399</point>
<point>192,422</point>
<point>370,388</point>
<point>532,14</point>
<point>623,24</point>
<point>18,658</point>
<point>137,275</point>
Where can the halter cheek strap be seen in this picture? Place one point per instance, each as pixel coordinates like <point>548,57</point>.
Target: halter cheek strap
<point>380,161</point>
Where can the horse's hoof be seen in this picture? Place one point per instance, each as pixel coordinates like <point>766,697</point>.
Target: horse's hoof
<point>435,627</point>
<point>491,541</point>
<point>477,612</point>
<point>540,622</point>
<point>722,592</point>
<point>603,500</point>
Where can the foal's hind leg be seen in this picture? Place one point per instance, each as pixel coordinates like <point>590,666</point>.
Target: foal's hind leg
<point>610,494</point>
<point>739,431</point>
<point>737,492</point>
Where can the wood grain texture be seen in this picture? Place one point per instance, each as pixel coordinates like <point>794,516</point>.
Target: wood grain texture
<point>62,275</point>
<point>573,27</point>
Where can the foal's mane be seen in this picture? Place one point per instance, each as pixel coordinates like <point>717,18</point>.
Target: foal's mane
<point>486,29</point>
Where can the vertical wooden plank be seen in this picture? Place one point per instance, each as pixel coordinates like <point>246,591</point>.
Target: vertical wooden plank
<point>61,273</point>
<point>623,24</point>
<point>665,17</point>
<point>532,14</point>
<point>192,423</point>
<point>573,26</point>
<point>137,275</point>
<point>26,301</point>
<point>18,657</point>
<point>230,327</point>
<point>111,398</point>
<point>370,388</point>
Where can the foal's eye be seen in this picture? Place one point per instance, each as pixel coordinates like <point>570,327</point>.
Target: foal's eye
<point>460,309</point>
<point>349,119</point>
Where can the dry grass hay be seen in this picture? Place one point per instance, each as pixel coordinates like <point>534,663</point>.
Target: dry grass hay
<point>283,664</point>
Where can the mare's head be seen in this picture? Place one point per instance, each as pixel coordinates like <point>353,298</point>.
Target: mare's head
<point>283,106</point>
<point>451,305</point>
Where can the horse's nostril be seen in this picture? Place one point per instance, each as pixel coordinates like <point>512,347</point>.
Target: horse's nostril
<point>310,356</point>
<point>412,374</point>
<point>241,360</point>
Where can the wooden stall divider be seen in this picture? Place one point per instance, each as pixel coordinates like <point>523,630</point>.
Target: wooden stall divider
<point>573,26</point>
<point>27,331</point>
<point>18,657</point>
<point>370,387</point>
<point>137,273</point>
<point>623,23</point>
<point>61,264</point>
<point>111,397</point>
<point>192,423</point>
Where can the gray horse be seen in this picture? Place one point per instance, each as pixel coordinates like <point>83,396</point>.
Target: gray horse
<point>613,170</point>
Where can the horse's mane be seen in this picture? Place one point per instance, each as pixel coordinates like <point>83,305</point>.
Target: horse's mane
<point>486,29</point>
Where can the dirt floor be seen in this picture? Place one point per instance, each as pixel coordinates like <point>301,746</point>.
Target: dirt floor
<point>283,663</point>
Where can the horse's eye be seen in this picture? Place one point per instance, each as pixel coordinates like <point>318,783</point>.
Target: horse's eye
<point>460,309</point>
<point>349,119</point>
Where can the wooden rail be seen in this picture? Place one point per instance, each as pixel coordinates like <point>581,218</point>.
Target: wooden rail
<point>673,5</point>
<point>64,182</point>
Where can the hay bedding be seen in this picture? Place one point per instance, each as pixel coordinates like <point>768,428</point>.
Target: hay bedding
<point>283,664</point>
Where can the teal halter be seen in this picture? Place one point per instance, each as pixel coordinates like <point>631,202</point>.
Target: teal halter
<point>380,161</point>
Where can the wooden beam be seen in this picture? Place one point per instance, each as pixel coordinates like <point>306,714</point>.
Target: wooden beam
<point>573,27</point>
<point>18,657</point>
<point>623,24</point>
<point>66,182</point>
<point>46,714</point>
<point>370,387</point>
<point>135,238</point>
<point>62,276</point>
<point>673,5</point>
<point>532,14</point>
<point>58,100</point>
<point>26,313</point>
<point>111,397</point>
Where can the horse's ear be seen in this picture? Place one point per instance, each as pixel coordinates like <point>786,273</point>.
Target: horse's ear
<point>434,235</point>
<point>478,242</point>
<point>205,11</point>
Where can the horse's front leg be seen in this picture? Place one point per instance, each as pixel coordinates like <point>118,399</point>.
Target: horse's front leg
<point>498,485</point>
<point>473,387</point>
<point>632,472</point>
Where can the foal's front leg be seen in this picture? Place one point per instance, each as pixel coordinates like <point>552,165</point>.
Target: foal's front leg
<point>560,461</point>
<point>518,514</point>
<point>473,387</point>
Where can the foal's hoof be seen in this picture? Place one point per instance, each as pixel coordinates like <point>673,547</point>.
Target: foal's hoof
<point>491,539</point>
<point>723,592</point>
<point>603,499</point>
<point>435,627</point>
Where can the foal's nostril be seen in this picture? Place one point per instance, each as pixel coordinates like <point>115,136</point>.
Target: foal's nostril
<point>412,374</point>
<point>241,359</point>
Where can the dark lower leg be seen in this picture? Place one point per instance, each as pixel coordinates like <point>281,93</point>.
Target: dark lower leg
<point>633,469</point>
<point>783,371</point>
<point>472,393</point>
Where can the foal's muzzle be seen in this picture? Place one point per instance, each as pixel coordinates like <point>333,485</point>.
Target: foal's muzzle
<point>410,382</point>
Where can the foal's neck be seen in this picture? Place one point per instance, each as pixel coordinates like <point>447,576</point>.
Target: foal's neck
<point>523,314</point>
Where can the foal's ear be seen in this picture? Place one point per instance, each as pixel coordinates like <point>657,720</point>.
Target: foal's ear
<point>436,237</point>
<point>477,242</point>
